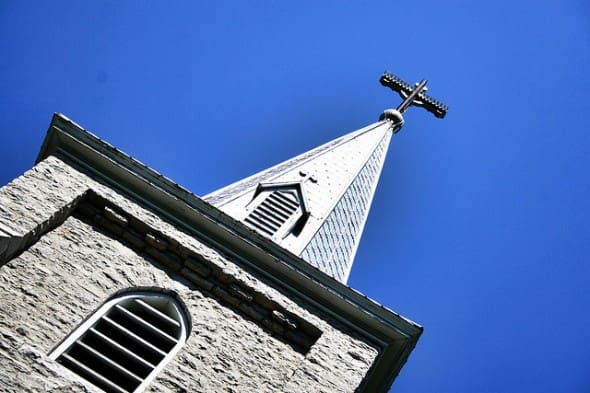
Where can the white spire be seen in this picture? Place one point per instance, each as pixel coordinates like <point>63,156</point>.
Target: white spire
<point>316,204</point>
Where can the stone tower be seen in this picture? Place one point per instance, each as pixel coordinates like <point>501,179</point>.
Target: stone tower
<point>114,278</point>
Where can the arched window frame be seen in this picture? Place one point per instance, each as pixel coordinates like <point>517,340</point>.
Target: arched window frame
<point>179,308</point>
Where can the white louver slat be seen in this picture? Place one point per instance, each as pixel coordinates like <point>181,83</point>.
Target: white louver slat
<point>130,339</point>
<point>157,336</point>
<point>157,313</point>
<point>274,211</point>
<point>127,343</point>
<point>83,370</point>
<point>122,351</point>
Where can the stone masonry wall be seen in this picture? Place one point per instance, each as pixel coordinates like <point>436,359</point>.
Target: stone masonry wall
<point>63,275</point>
<point>205,275</point>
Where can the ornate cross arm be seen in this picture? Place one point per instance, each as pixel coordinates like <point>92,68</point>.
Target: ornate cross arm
<point>413,95</point>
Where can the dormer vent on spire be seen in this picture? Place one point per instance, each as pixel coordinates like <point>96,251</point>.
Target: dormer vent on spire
<point>277,210</point>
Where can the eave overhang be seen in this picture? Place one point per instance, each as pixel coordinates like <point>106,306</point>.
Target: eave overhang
<point>395,335</point>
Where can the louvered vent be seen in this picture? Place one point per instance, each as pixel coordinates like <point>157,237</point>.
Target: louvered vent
<point>127,343</point>
<point>278,208</point>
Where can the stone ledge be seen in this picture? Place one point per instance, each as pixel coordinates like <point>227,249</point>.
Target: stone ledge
<point>12,244</point>
<point>209,278</point>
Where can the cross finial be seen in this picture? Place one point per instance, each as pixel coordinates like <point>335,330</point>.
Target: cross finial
<point>413,95</point>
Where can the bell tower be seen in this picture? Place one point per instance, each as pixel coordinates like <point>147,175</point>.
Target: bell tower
<point>116,279</point>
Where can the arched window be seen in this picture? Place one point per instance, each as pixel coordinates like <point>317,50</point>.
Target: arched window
<point>126,342</point>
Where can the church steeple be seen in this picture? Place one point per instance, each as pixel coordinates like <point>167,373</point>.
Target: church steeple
<point>314,205</point>
<point>159,247</point>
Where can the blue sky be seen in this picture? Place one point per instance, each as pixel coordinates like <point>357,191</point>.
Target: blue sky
<point>480,226</point>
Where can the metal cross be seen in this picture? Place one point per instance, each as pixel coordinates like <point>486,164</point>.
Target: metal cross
<point>413,95</point>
